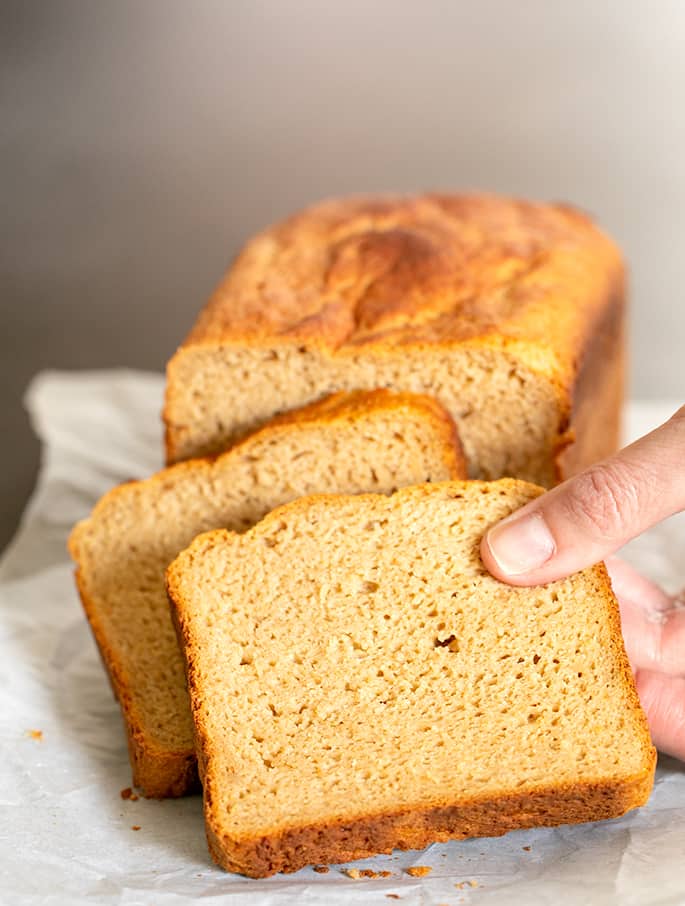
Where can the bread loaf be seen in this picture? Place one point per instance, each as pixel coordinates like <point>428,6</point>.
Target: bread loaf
<point>350,442</point>
<point>359,682</point>
<point>510,313</point>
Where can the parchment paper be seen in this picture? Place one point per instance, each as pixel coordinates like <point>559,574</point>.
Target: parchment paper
<point>67,836</point>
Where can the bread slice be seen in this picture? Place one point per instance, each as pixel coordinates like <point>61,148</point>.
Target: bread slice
<point>350,442</point>
<point>359,682</point>
<point>510,313</point>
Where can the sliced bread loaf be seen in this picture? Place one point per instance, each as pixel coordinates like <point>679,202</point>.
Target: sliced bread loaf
<point>350,442</point>
<point>359,682</point>
<point>510,313</point>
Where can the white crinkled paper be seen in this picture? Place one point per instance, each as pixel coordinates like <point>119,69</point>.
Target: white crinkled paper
<point>66,833</point>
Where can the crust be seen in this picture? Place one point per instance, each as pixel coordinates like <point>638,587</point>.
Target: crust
<point>415,829</point>
<point>401,269</point>
<point>379,273</point>
<point>596,397</point>
<point>161,773</point>
<point>158,774</point>
<point>364,835</point>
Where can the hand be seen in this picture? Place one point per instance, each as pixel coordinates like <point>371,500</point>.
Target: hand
<point>653,627</point>
<point>586,519</point>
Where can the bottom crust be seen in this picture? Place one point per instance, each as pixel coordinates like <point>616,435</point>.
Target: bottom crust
<point>292,849</point>
<point>162,775</point>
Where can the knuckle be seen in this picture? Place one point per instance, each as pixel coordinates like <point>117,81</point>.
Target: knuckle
<point>604,501</point>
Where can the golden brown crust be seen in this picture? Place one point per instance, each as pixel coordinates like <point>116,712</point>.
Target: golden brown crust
<point>415,270</point>
<point>369,835</point>
<point>356,837</point>
<point>597,393</point>
<point>380,272</point>
<point>158,774</point>
<point>161,773</point>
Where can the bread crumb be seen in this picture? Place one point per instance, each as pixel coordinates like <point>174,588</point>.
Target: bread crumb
<point>135,827</point>
<point>357,873</point>
<point>127,793</point>
<point>419,871</point>
<point>321,869</point>
<point>473,883</point>
<point>393,896</point>
<point>527,848</point>
<point>35,734</point>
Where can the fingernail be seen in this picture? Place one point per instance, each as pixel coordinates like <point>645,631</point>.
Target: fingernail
<point>521,545</point>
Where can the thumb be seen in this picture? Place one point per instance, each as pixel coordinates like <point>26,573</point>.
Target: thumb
<point>592,514</point>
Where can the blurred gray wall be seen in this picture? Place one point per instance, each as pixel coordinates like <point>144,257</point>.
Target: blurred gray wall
<point>142,142</point>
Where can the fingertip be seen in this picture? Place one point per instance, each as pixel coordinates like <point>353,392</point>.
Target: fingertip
<point>518,547</point>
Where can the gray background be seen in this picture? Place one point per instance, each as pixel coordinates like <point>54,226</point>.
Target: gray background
<point>142,142</point>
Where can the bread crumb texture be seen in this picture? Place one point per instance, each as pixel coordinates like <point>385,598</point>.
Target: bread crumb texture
<point>360,683</point>
<point>350,443</point>
<point>419,871</point>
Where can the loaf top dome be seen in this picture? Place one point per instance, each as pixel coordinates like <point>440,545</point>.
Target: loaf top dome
<point>434,268</point>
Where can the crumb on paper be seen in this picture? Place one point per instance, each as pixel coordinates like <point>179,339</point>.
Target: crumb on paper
<point>357,873</point>
<point>35,734</point>
<point>526,849</point>
<point>127,793</point>
<point>419,871</point>
<point>473,883</point>
<point>393,896</point>
<point>321,869</point>
<point>135,827</point>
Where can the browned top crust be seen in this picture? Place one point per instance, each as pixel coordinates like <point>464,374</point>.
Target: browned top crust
<point>445,269</point>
